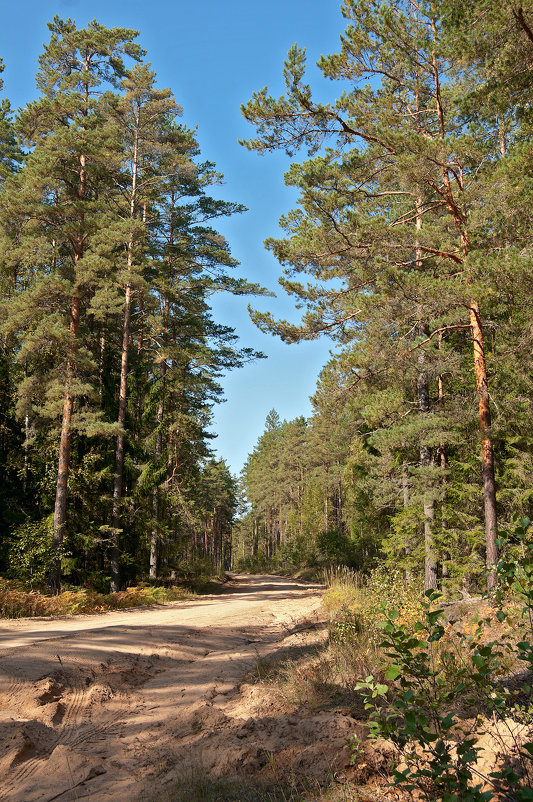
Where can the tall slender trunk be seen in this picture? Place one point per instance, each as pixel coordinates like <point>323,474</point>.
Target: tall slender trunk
<point>255,538</point>
<point>339,511</point>
<point>405,502</point>
<point>26,444</point>
<point>487,452</point>
<point>430,561</point>
<point>158,450</point>
<point>140,339</point>
<point>459,217</point>
<point>443,466</point>
<point>326,500</point>
<point>154,537</point>
<point>122,399</point>
<point>300,505</point>
<point>155,503</point>
<point>60,507</point>
<point>26,459</point>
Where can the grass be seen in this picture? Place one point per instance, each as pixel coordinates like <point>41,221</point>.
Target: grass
<point>321,677</point>
<point>16,602</point>
<point>198,787</point>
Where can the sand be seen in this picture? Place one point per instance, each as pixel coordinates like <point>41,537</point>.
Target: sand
<point>102,706</point>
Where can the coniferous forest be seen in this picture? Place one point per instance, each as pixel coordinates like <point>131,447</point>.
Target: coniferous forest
<point>110,355</point>
<point>410,246</point>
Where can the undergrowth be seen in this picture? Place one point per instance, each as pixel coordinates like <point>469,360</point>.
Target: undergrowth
<point>199,787</point>
<point>447,687</point>
<point>461,727</point>
<point>15,602</point>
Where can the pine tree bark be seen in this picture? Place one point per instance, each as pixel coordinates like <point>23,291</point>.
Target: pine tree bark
<point>155,493</point>
<point>60,507</point>
<point>119,452</point>
<point>405,501</point>
<point>255,541</point>
<point>443,466</point>
<point>480,368</point>
<point>487,452</point>
<point>154,537</point>
<point>430,561</point>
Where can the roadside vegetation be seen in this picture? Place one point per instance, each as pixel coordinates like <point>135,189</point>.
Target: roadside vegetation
<point>28,599</point>
<point>442,687</point>
<point>16,602</point>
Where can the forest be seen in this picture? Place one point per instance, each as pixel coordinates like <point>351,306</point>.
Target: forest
<point>110,358</point>
<point>374,639</point>
<point>410,247</point>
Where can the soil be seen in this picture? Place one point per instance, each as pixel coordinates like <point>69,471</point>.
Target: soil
<point>121,705</point>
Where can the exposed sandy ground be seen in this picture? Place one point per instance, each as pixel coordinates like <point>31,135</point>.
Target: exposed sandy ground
<point>95,706</point>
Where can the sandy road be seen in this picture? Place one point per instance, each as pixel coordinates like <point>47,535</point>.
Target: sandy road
<point>89,704</point>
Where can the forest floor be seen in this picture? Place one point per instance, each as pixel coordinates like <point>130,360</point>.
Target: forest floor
<point>151,705</point>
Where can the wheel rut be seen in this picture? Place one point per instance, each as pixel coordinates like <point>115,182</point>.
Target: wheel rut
<point>89,713</point>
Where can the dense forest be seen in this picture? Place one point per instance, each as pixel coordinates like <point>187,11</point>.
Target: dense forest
<point>110,356</point>
<point>410,247</point>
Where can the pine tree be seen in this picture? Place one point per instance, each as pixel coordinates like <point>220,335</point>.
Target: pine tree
<point>145,116</point>
<point>61,194</point>
<point>389,208</point>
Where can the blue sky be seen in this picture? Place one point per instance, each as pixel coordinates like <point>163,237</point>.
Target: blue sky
<point>213,54</point>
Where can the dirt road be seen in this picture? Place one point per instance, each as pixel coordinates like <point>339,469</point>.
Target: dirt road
<point>93,706</point>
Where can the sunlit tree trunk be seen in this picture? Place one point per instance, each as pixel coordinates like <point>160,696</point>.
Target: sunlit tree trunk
<point>487,452</point>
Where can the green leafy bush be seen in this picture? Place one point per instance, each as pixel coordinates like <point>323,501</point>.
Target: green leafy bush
<point>435,717</point>
<point>30,551</point>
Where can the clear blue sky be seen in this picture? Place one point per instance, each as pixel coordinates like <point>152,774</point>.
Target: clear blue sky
<point>213,54</point>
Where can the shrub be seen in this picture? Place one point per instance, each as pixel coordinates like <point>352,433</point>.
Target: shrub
<point>416,705</point>
<point>30,551</point>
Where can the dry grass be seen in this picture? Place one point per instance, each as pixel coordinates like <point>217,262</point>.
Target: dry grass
<point>18,603</point>
<point>198,787</point>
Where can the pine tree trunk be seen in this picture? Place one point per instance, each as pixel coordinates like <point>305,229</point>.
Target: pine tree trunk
<point>430,562</point>
<point>153,536</point>
<point>405,501</point>
<point>60,508</point>
<point>26,459</point>
<point>326,500</point>
<point>443,466</point>
<point>119,453</point>
<point>255,542</point>
<point>487,452</point>
<point>155,493</point>
<point>160,412</point>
